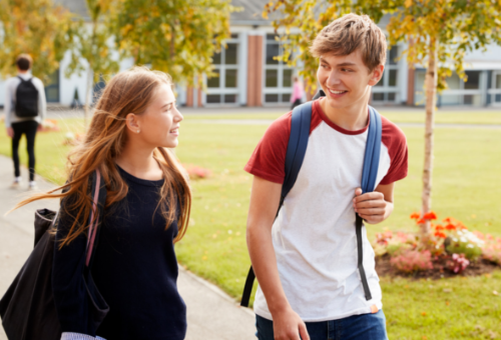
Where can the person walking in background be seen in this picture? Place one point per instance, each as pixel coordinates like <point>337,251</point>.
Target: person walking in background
<point>297,93</point>
<point>25,110</point>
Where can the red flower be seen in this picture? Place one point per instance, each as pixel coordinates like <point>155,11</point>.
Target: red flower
<point>430,216</point>
<point>450,227</point>
<point>440,234</point>
<point>421,221</point>
<point>415,216</point>
<point>439,227</point>
<point>448,220</point>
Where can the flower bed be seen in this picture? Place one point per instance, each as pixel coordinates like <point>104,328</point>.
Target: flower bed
<point>449,250</point>
<point>197,172</point>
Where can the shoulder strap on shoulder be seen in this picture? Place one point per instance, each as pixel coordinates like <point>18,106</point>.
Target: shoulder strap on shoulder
<point>99,199</point>
<point>296,148</point>
<point>369,175</point>
<point>372,151</point>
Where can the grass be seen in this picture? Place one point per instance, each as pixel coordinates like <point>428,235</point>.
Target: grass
<point>457,308</point>
<point>465,186</point>
<point>407,116</point>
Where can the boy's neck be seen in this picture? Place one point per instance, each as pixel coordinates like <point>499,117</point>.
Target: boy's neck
<point>351,118</point>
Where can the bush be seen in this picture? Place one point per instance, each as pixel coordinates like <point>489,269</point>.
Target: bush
<point>457,263</point>
<point>464,242</point>
<point>491,250</point>
<point>412,261</point>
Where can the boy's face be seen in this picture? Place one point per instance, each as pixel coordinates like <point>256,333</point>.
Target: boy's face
<point>346,80</point>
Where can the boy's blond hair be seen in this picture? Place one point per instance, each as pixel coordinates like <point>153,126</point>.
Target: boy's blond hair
<point>351,32</point>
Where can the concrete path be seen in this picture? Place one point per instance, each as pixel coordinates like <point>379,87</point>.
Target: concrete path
<point>212,315</point>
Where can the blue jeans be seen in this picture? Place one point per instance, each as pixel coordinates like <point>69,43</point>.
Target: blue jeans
<point>356,327</point>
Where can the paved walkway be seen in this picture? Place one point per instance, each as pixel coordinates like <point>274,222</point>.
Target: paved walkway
<point>212,315</point>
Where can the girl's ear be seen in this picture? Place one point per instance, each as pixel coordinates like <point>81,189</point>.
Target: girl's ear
<point>132,122</point>
<point>376,75</point>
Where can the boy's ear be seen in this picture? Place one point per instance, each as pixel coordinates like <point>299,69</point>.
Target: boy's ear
<point>376,75</point>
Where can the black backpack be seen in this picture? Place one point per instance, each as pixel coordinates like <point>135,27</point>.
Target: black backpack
<point>26,99</point>
<point>296,149</point>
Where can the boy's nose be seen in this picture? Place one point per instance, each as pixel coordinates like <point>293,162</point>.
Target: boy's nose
<point>333,79</point>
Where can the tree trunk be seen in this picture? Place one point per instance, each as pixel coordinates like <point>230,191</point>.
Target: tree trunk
<point>87,95</point>
<point>431,90</point>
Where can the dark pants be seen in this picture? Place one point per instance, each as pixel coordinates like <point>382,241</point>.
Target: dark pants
<point>356,327</point>
<point>28,128</point>
<point>296,103</point>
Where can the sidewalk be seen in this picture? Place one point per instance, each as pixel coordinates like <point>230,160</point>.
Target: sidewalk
<point>212,315</point>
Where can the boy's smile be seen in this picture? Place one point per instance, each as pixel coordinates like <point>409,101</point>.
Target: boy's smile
<point>347,84</point>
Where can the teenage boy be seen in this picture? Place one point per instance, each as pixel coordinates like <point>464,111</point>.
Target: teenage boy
<point>305,260</point>
<point>25,109</point>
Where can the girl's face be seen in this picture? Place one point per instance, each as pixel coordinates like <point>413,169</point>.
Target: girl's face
<point>159,124</point>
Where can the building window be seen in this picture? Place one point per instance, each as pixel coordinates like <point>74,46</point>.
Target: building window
<point>223,87</point>
<point>386,91</point>
<point>495,90</point>
<point>277,75</point>
<point>458,92</point>
<point>52,89</point>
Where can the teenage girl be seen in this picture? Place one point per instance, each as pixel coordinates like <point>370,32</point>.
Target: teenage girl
<point>147,210</point>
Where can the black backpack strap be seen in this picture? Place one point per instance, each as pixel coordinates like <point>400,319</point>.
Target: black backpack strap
<point>369,175</point>
<point>296,149</point>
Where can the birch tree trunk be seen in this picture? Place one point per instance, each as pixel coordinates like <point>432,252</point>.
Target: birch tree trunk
<point>87,96</point>
<point>431,90</point>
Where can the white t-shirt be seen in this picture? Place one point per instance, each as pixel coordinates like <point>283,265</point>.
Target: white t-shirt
<point>314,234</point>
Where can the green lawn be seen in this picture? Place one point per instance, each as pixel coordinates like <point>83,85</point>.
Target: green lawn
<point>465,186</point>
<point>406,116</point>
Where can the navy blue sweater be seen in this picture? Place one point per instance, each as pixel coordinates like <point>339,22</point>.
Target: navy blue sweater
<point>134,268</point>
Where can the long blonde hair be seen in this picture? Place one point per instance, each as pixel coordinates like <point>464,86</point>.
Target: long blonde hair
<point>127,92</point>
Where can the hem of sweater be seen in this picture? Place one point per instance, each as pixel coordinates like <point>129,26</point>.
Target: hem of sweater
<point>38,119</point>
<point>79,336</point>
<point>365,310</point>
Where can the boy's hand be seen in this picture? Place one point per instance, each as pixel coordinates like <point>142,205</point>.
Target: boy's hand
<point>287,325</point>
<point>371,206</point>
<point>10,132</point>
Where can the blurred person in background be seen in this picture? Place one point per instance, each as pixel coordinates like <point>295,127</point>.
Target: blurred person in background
<point>25,110</point>
<point>297,93</point>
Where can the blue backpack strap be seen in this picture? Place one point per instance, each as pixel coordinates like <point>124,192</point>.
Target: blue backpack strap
<point>369,175</point>
<point>372,152</point>
<point>296,149</point>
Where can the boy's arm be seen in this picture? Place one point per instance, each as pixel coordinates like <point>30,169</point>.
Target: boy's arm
<point>376,206</point>
<point>265,198</point>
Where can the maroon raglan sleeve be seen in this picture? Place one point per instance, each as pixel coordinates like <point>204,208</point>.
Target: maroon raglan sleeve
<point>394,139</point>
<point>268,159</point>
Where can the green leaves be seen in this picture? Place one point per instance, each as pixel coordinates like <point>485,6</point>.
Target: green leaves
<point>177,37</point>
<point>36,27</point>
<point>458,25</point>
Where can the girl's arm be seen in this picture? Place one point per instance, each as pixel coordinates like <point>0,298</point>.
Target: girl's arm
<point>68,285</point>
